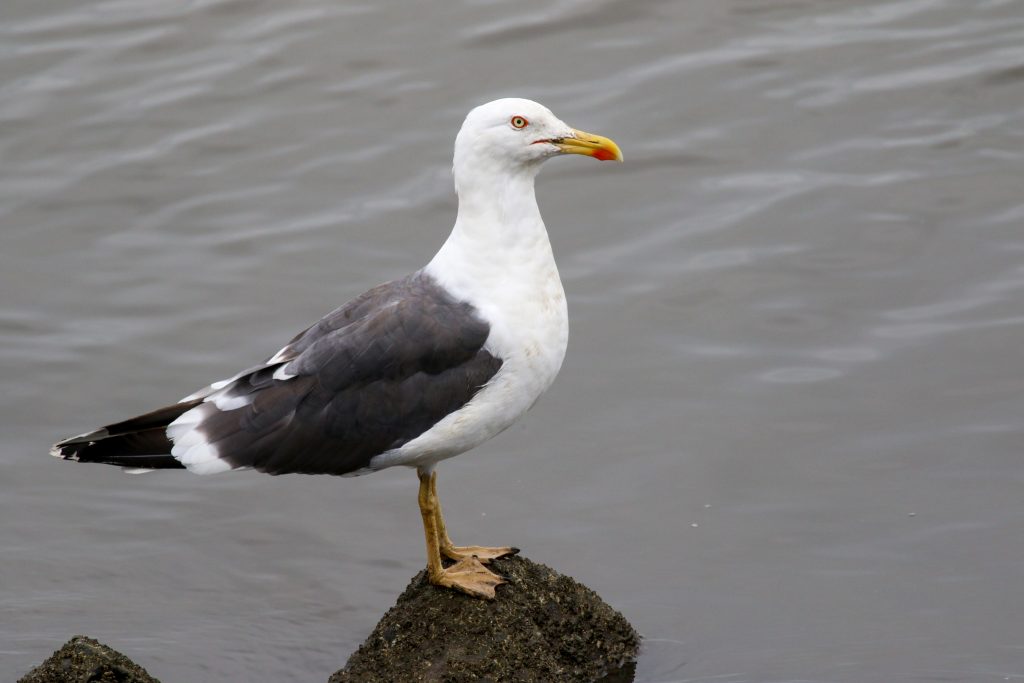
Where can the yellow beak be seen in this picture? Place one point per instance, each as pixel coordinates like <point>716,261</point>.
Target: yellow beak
<point>589,144</point>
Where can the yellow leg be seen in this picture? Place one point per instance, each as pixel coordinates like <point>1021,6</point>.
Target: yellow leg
<point>457,552</point>
<point>468,574</point>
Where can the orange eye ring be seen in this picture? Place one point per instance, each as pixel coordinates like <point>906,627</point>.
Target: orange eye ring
<point>519,122</point>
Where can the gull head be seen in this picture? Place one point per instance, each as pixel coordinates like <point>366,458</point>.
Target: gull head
<point>514,132</point>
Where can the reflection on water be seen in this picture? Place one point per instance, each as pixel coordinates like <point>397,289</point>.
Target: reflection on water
<point>786,439</point>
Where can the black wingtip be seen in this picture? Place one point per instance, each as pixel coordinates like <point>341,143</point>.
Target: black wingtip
<point>58,451</point>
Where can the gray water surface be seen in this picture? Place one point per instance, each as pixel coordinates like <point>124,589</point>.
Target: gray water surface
<point>787,439</point>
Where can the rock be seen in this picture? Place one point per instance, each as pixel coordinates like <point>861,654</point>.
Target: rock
<point>84,660</point>
<point>542,627</point>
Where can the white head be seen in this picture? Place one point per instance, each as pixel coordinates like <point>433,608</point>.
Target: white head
<point>515,134</point>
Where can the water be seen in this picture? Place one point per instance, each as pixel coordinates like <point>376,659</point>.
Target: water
<point>786,440</point>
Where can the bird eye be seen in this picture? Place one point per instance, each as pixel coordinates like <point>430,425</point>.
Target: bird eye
<point>518,122</point>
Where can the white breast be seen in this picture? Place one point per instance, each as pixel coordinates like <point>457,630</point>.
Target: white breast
<point>522,299</point>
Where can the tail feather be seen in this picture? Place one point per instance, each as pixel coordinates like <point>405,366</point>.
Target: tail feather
<point>140,442</point>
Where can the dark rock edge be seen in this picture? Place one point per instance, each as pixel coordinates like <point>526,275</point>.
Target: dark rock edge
<point>84,660</point>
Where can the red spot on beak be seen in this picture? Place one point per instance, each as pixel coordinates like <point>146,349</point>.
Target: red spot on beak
<point>603,155</point>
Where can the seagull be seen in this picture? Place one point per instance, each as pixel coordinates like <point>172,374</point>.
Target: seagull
<point>413,371</point>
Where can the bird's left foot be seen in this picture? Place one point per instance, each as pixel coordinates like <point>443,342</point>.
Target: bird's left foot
<point>470,577</point>
<point>481,553</point>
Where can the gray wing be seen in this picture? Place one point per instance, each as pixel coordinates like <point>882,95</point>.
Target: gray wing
<point>367,378</point>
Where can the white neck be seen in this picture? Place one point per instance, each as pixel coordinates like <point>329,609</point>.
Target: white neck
<point>499,234</point>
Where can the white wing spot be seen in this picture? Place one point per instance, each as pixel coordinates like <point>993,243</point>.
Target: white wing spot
<point>227,403</point>
<point>190,445</point>
<point>202,458</point>
<point>282,373</point>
